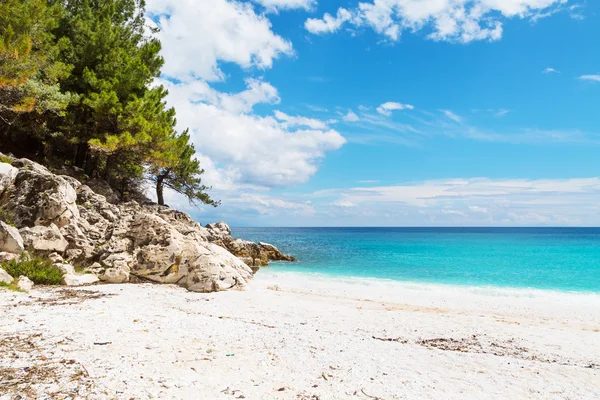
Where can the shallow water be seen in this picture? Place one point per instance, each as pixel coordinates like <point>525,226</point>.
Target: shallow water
<point>565,259</point>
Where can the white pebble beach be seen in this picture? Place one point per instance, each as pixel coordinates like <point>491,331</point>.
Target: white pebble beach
<point>297,336</point>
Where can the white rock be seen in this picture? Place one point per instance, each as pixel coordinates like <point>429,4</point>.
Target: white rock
<point>79,280</point>
<point>24,283</point>
<point>44,238</point>
<point>55,258</point>
<point>5,277</point>
<point>66,269</point>
<point>7,174</point>
<point>10,239</point>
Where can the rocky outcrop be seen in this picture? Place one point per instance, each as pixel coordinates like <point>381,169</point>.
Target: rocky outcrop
<point>66,221</point>
<point>253,254</point>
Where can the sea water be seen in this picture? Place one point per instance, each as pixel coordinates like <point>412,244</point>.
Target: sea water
<point>565,259</point>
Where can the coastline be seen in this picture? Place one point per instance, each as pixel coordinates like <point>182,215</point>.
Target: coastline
<point>294,336</point>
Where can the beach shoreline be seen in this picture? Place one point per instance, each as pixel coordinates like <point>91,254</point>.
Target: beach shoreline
<point>300,336</point>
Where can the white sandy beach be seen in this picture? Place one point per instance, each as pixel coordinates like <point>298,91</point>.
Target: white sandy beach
<point>291,336</point>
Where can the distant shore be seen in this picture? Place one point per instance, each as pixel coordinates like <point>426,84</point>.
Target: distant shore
<point>297,336</point>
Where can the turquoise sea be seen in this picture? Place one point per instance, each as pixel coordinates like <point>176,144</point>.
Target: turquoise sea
<point>565,259</point>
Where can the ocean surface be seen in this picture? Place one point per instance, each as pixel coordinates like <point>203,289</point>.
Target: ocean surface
<point>564,259</point>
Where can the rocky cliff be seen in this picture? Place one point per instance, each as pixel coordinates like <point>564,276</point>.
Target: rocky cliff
<point>58,217</point>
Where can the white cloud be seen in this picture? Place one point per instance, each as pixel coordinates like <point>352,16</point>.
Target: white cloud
<point>477,209</point>
<point>343,204</point>
<point>501,113</point>
<point>350,117</point>
<point>256,92</point>
<point>449,20</point>
<point>275,5</point>
<point>290,121</point>
<point>197,35</point>
<point>593,78</point>
<point>328,23</point>
<point>474,201</point>
<point>451,115</point>
<point>387,108</point>
<point>260,151</point>
<point>550,70</point>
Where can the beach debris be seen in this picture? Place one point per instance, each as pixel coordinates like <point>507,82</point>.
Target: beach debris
<point>399,339</point>
<point>230,355</point>
<point>369,396</point>
<point>102,343</point>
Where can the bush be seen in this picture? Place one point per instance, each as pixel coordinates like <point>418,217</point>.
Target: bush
<point>39,270</point>
<point>5,159</point>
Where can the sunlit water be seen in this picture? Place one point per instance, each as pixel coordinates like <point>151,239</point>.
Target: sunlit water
<point>544,258</point>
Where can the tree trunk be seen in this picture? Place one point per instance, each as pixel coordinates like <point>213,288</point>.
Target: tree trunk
<point>159,190</point>
<point>81,156</point>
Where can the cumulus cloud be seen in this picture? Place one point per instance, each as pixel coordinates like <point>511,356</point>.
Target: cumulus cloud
<point>328,23</point>
<point>275,5</point>
<point>197,35</point>
<point>257,150</point>
<point>447,20</point>
<point>350,116</point>
<point>387,108</point>
<point>592,78</point>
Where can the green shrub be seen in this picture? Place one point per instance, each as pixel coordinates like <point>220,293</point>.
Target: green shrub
<point>39,270</point>
<point>5,159</point>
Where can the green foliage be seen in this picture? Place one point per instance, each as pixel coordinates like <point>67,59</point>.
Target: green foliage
<point>5,159</point>
<point>40,270</point>
<point>7,217</point>
<point>180,171</point>
<point>10,286</point>
<point>76,89</point>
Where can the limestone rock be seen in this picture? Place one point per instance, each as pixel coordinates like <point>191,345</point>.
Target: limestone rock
<point>66,269</point>
<point>7,174</point>
<point>117,268</point>
<point>10,239</point>
<point>77,227</point>
<point>5,277</point>
<point>79,280</point>
<point>44,239</point>
<point>37,197</point>
<point>24,283</point>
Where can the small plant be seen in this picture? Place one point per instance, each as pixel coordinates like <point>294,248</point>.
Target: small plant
<point>10,286</point>
<point>7,217</point>
<point>5,159</point>
<point>40,270</point>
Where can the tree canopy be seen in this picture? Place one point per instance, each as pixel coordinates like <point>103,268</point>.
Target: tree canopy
<point>77,88</point>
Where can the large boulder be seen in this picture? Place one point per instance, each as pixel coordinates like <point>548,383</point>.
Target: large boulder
<point>10,239</point>
<point>79,280</point>
<point>44,239</point>
<point>164,255</point>
<point>38,197</point>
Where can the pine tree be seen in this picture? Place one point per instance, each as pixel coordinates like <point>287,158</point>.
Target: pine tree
<point>181,172</point>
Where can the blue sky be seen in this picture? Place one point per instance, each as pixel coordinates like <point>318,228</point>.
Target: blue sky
<point>389,112</point>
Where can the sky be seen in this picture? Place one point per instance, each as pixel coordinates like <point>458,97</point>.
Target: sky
<point>388,112</point>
